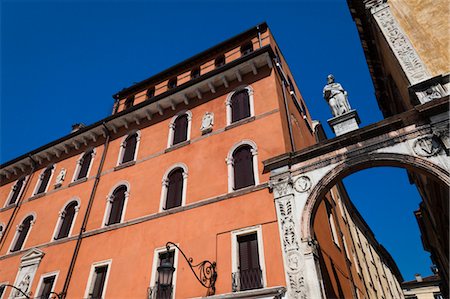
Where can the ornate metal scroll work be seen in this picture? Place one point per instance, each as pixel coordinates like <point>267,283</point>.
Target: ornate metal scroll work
<point>402,48</point>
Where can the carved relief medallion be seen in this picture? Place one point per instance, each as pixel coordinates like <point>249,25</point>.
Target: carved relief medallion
<point>207,122</point>
<point>302,184</point>
<point>426,146</point>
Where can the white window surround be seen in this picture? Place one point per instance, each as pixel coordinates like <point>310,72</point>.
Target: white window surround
<point>172,127</point>
<point>60,218</point>
<point>154,276</point>
<point>80,161</point>
<point>90,282</point>
<point>165,185</point>
<point>5,290</point>
<point>13,187</point>
<point>235,249</point>
<point>16,235</point>
<point>230,162</point>
<point>334,234</point>
<point>109,201</point>
<point>2,225</point>
<point>122,146</point>
<point>250,99</point>
<point>41,280</point>
<point>38,184</point>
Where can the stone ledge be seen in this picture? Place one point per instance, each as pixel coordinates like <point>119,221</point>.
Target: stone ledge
<point>78,182</point>
<point>240,122</point>
<point>124,165</point>
<point>272,292</point>
<point>177,146</point>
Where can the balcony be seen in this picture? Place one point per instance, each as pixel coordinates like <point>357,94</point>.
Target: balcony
<point>247,280</point>
<point>160,293</point>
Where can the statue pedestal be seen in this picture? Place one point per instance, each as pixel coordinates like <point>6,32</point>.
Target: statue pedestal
<point>344,123</point>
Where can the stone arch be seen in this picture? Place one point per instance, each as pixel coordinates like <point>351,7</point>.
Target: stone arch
<point>360,162</point>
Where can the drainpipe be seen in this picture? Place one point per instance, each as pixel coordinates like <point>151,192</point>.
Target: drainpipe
<point>19,201</point>
<point>86,215</point>
<point>284,82</point>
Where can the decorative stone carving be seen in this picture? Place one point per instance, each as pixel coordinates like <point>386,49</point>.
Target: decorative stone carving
<point>426,146</point>
<point>302,184</point>
<point>27,270</point>
<point>60,178</point>
<point>402,48</point>
<point>336,97</point>
<point>22,286</point>
<point>207,122</point>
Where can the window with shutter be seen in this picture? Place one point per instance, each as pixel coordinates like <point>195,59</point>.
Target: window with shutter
<point>250,273</point>
<point>129,102</point>
<point>16,191</point>
<point>219,61</point>
<point>246,48</point>
<point>67,220</point>
<point>174,189</point>
<point>180,129</point>
<point>23,230</point>
<point>243,167</point>
<point>165,293</point>
<point>150,93</point>
<point>98,282</point>
<point>195,73</point>
<point>46,287</point>
<point>85,163</point>
<point>117,204</point>
<point>172,83</point>
<point>240,105</point>
<point>129,148</point>
<point>44,180</point>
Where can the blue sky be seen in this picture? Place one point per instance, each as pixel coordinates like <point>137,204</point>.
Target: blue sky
<point>61,61</point>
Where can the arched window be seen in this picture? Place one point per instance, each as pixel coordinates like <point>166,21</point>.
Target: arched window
<point>150,93</point>
<point>66,220</point>
<point>240,104</point>
<point>84,165</point>
<point>172,83</point>
<point>44,180</point>
<point>116,205</point>
<point>242,166</point>
<point>22,233</point>
<point>174,187</point>
<point>195,73</point>
<point>129,148</point>
<point>15,191</point>
<point>219,61</point>
<point>129,102</point>
<point>246,48</point>
<point>179,128</point>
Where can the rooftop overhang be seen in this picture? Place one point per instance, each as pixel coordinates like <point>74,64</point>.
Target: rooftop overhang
<point>170,100</point>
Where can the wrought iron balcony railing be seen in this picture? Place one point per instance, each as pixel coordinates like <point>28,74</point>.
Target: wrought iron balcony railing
<point>247,280</point>
<point>156,292</point>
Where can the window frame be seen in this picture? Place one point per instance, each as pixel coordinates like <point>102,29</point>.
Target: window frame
<point>90,281</point>
<point>109,203</point>
<point>216,60</point>
<point>122,147</point>
<point>2,225</point>
<point>171,134</point>
<point>165,185</point>
<point>25,179</point>
<point>4,283</point>
<point>16,235</point>
<point>155,263</point>
<point>235,249</point>
<point>41,280</point>
<point>59,222</point>
<point>172,83</point>
<point>230,163</point>
<point>80,162</point>
<point>38,183</point>
<point>250,92</point>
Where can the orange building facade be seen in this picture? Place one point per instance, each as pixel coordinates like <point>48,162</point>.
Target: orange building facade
<point>179,160</point>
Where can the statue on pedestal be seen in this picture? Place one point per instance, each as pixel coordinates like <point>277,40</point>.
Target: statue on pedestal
<point>336,97</point>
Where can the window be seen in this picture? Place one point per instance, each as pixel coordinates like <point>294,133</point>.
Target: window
<point>438,296</point>
<point>246,48</point>
<point>195,73</point>
<point>129,102</point>
<point>84,165</point>
<point>174,187</point>
<point>239,104</point>
<point>150,93</point>
<point>165,291</point>
<point>16,191</point>
<point>172,83</point>
<point>98,279</point>
<point>242,166</point>
<point>179,128</point>
<point>333,230</point>
<point>247,259</point>
<point>220,61</point>
<point>44,180</point>
<point>66,220</point>
<point>2,290</point>
<point>128,149</point>
<point>116,205</point>
<point>156,290</point>
<point>22,233</point>
<point>45,287</point>
<point>2,227</point>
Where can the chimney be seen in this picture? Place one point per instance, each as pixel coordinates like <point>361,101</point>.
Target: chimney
<point>418,277</point>
<point>76,127</point>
